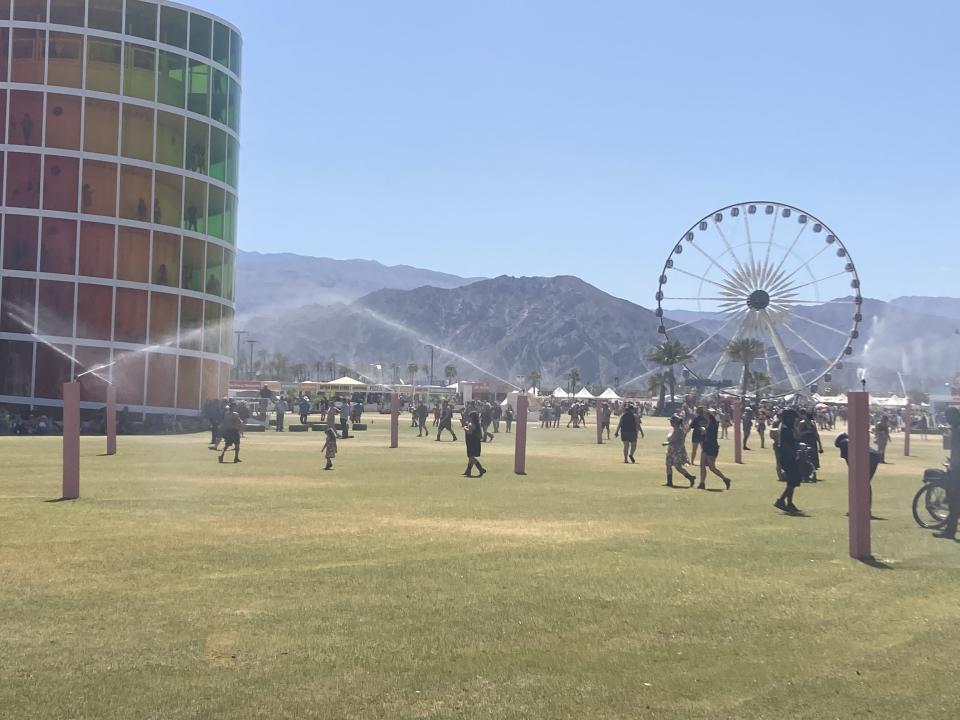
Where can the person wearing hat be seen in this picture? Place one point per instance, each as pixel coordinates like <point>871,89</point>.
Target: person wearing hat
<point>953,476</point>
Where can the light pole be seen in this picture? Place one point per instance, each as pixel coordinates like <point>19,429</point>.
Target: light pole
<point>239,334</point>
<point>251,343</point>
<point>430,347</point>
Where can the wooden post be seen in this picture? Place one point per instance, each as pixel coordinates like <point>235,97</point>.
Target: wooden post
<point>858,460</point>
<point>71,441</point>
<point>907,428</point>
<point>395,420</point>
<point>599,424</point>
<point>520,447</point>
<point>737,432</point>
<point>111,419</point>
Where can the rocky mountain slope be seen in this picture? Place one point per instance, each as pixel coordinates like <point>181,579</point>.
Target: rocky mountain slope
<point>273,282</point>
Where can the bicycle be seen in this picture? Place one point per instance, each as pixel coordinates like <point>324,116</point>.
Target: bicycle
<point>931,504</point>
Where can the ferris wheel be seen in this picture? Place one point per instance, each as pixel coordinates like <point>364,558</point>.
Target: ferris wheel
<point>768,273</point>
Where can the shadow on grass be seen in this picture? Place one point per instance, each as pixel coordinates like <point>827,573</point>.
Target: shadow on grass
<point>61,500</point>
<point>875,563</point>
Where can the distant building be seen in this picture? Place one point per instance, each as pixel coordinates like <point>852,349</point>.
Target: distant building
<point>119,162</point>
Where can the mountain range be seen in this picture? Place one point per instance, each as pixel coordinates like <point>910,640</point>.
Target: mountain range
<point>366,314</point>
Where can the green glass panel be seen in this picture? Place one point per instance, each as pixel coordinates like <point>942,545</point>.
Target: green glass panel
<point>68,12</point>
<point>30,10</point>
<point>106,15</point>
<point>103,65</point>
<point>236,52</point>
<point>229,263</point>
<point>173,79</point>
<point>230,219</point>
<point>140,72</point>
<point>214,269</point>
<point>218,154</point>
<point>201,29</point>
<point>170,139</point>
<point>221,93</point>
<point>65,59</point>
<point>195,206</point>
<point>221,44</point>
<point>198,88</point>
<point>169,199</point>
<point>215,205</point>
<point>142,19</point>
<point>173,26</point>
<point>136,140</point>
<point>233,162</point>
<point>198,146</point>
<point>192,275</point>
<point>233,106</point>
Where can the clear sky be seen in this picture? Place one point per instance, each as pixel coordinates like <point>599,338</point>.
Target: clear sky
<point>547,137</point>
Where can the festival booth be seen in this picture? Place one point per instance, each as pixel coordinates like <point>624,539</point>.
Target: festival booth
<point>585,394</point>
<point>609,394</point>
<point>560,394</point>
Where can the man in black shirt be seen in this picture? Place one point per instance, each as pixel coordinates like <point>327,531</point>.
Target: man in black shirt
<point>953,478</point>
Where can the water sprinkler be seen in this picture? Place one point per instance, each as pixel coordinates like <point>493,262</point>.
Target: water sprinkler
<point>862,376</point>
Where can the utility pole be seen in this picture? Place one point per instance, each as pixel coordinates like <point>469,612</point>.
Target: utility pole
<point>318,371</point>
<point>236,358</point>
<point>251,343</point>
<point>334,356</point>
<point>430,347</point>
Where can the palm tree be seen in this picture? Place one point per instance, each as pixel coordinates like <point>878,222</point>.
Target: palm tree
<point>745,351</point>
<point>412,369</point>
<point>760,381</point>
<point>299,372</point>
<point>918,397</point>
<point>667,354</point>
<point>574,377</point>
<point>450,372</point>
<point>281,365</point>
<point>533,378</point>
<point>657,385</point>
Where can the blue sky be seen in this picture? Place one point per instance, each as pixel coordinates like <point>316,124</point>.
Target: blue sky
<point>555,137</point>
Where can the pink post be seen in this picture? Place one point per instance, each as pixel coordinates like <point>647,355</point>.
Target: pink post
<point>907,427</point>
<point>71,441</point>
<point>394,420</point>
<point>599,424</point>
<point>858,460</point>
<point>111,420</point>
<point>520,448</point>
<point>737,432</point>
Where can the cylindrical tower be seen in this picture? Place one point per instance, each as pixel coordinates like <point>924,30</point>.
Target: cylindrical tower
<point>119,161</point>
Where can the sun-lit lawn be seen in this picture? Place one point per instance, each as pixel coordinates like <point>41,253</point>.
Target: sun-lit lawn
<point>393,587</point>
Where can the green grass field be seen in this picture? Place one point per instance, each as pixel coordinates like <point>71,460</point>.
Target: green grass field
<point>393,587</point>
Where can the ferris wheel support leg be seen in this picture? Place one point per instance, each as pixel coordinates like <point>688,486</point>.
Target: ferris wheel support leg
<point>793,375</point>
<point>858,455</point>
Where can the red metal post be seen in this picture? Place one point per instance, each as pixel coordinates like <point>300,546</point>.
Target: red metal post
<point>71,441</point>
<point>858,460</point>
<point>520,447</point>
<point>907,428</point>
<point>395,420</point>
<point>111,420</point>
<point>737,432</point>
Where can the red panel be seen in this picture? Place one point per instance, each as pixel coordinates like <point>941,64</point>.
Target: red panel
<point>93,386</point>
<point>52,371</point>
<point>58,251</point>
<point>128,376</point>
<point>18,305</point>
<point>163,319</point>
<point>16,368</point>
<point>211,380</point>
<point>95,311</point>
<point>61,183</point>
<point>162,381</point>
<point>26,118</point>
<point>56,309</point>
<point>23,180</point>
<point>188,384</point>
<point>131,316</point>
<point>96,250</point>
<point>20,242</point>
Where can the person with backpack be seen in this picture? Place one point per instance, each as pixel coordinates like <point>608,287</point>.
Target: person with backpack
<point>627,432</point>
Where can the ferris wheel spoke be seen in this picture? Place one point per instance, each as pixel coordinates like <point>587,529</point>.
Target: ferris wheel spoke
<point>812,282</point>
<point>746,227</point>
<point>730,249</point>
<point>806,342</point>
<point>822,325</point>
<point>790,249</point>
<point>733,291</point>
<point>724,360</point>
<point>718,331</point>
<point>714,264</point>
<point>823,302</point>
<point>773,230</point>
<point>793,375</point>
<point>805,264</point>
<point>715,299</point>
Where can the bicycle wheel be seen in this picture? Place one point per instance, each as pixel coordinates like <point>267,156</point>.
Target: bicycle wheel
<point>938,504</point>
<point>921,513</point>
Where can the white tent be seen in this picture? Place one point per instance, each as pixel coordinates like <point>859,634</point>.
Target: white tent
<point>890,402</point>
<point>346,381</point>
<point>585,394</point>
<point>561,393</point>
<point>609,394</point>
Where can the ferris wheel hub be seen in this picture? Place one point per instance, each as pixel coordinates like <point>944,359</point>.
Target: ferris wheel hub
<point>758,300</point>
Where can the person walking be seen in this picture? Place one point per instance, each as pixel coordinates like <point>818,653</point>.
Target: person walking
<point>436,414</point>
<point>231,425</point>
<point>696,434</point>
<point>952,416</point>
<point>881,435</point>
<point>747,424</point>
<point>496,413</point>
<point>676,445</point>
<point>762,429</point>
<point>422,413</point>
<point>304,409</point>
<point>472,434</point>
<point>486,417</point>
<point>787,446</point>
<point>280,410</point>
<point>605,414</point>
<point>627,432</point>
<point>446,422</point>
<point>508,417</point>
<point>329,448</point>
<point>710,450</point>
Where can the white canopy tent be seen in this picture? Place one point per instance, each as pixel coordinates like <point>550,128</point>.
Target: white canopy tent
<point>609,394</point>
<point>561,394</point>
<point>585,394</point>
